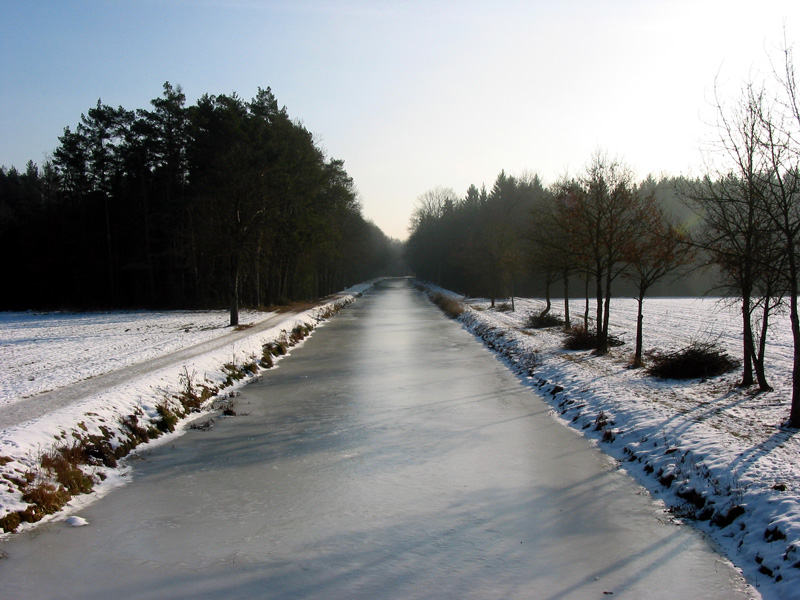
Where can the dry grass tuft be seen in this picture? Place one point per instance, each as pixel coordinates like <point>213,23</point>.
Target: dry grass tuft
<point>450,306</point>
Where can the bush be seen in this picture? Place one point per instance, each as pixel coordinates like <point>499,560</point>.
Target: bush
<point>167,420</point>
<point>299,333</point>
<point>45,499</point>
<point>276,348</point>
<point>62,462</point>
<point>539,321</point>
<point>10,522</point>
<point>450,306</point>
<point>580,339</point>
<point>136,432</point>
<point>697,360</point>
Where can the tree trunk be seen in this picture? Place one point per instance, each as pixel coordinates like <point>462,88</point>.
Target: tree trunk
<point>567,324</point>
<point>546,298</point>
<point>599,309</point>
<point>747,341</point>
<point>602,318</point>
<point>258,275</point>
<point>234,290</point>
<point>586,306</point>
<point>760,353</point>
<point>607,307</point>
<point>109,249</point>
<point>794,417</point>
<point>637,357</point>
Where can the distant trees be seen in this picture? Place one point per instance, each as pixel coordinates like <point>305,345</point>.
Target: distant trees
<point>431,225</point>
<point>214,204</point>
<point>474,243</point>
<point>608,230</point>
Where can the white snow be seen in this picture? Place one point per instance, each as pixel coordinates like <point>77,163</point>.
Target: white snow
<point>715,441</point>
<point>47,351</point>
<point>75,521</point>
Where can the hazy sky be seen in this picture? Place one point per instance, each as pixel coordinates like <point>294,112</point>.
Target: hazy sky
<point>411,94</point>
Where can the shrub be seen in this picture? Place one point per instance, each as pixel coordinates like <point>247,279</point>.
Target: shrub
<point>539,321</point>
<point>137,433</point>
<point>100,450</point>
<point>233,372</point>
<point>697,360</point>
<point>251,368</point>
<point>276,348</point>
<point>450,306</point>
<point>580,339</point>
<point>168,418</point>
<point>188,396</point>
<point>299,333</point>
<point>10,522</point>
<point>46,499</point>
<point>63,463</point>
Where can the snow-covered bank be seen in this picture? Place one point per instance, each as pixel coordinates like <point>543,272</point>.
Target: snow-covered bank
<point>717,456</point>
<point>123,416</point>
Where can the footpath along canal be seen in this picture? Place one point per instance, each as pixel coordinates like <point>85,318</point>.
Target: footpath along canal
<point>391,456</point>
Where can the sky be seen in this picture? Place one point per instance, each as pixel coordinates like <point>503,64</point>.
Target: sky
<point>411,95</point>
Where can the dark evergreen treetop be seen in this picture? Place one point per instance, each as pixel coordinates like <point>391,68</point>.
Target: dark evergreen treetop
<point>207,205</point>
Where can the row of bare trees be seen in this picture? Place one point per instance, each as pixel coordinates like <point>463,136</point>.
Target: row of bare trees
<point>605,229</point>
<point>600,226</point>
<point>749,201</point>
<point>595,228</point>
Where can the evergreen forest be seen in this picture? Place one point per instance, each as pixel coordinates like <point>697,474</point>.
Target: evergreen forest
<point>223,202</point>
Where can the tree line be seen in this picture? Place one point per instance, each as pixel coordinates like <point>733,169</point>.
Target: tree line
<point>209,205</point>
<point>602,229</point>
<point>522,237</point>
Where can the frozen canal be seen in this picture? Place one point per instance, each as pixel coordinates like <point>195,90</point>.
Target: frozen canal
<point>390,457</point>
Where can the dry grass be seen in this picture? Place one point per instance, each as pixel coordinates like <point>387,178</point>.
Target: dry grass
<point>450,306</point>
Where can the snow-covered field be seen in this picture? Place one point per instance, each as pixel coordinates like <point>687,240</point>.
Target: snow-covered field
<point>718,456</point>
<point>121,364</point>
<point>43,352</point>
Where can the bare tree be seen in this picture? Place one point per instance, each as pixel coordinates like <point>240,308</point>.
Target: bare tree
<point>661,249</point>
<point>781,138</point>
<point>605,220</point>
<point>731,199</point>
